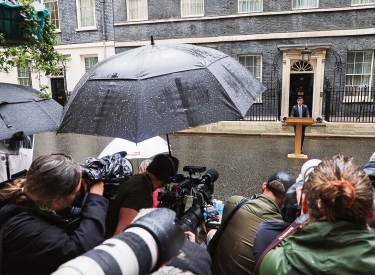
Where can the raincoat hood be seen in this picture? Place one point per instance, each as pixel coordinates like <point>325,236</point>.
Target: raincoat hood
<point>324,248</point>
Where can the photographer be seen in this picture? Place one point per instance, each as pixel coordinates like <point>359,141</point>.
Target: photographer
<point>338,199</point>
<point>36,240</point>
<point>137,192</point>
<point>290,210</point>
<point>233,253</point>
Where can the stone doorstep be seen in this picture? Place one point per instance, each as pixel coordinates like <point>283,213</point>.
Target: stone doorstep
<point>369,126</point>
<point>281,129</point>
<point>276,124</point>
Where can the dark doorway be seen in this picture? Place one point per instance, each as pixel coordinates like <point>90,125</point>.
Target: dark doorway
<point>58,91</point>
<point>301,85</point>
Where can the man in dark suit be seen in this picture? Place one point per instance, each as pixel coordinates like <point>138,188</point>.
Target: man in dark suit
<point>300,110</point>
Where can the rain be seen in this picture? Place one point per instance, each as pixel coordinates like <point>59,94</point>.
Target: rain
<point>244,162</point>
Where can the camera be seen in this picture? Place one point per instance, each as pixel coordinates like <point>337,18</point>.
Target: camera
<point>146,244</point>
<point>188,195</point>
<point>114,170</point>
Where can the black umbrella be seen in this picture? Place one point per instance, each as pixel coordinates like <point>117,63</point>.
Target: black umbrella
<point>24,109</point>
<point>159,89</point>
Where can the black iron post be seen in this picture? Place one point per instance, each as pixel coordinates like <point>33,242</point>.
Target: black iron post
<point>327,93</point>
<point>65,83</point>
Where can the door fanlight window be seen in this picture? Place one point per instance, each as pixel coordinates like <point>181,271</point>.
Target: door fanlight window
<point>301,66</point>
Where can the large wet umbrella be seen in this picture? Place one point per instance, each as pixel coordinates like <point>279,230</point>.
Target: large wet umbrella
<point>24,109</point>
<point>159,89</point>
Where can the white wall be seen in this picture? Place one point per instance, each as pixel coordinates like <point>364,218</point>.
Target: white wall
<point>75,68</point>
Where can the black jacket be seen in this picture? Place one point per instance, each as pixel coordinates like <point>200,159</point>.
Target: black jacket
<point>38,243</point>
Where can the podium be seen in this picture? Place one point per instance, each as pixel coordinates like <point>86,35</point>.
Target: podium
<point>298,122</point>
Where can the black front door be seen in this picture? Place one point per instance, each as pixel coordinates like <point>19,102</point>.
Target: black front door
<point>301,85</point>
<point>58,91</point>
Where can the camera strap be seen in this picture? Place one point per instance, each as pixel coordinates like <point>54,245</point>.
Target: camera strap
<point>215,239</point>
<point>288,231</point>
<point>238,206</point>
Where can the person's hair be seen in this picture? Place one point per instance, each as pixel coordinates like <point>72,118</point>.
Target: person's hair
<point>338,189</point>
<point>300,97</point>
<point>142,167</point>
<point>49,177</point>
<point>163,166</point>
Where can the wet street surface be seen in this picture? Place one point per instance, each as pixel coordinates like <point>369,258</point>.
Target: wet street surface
<point>243,162</point>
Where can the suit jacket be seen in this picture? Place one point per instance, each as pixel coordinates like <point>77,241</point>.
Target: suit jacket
<point>305,111</point>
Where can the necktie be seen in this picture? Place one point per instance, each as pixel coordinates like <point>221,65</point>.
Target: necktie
<point>300,111</point>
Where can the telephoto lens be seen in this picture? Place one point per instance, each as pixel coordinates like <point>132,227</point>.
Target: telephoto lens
<point>191,219</point>
<point>146,244</point>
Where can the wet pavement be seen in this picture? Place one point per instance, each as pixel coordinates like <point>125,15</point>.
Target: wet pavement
<point>244,162</point>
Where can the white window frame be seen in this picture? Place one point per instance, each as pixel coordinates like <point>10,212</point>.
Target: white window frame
<point>86,57</point>
<point>53,19</point>
<point>251,67</point>
<point>140,13</point>
<point>23,76</point>
<point>79,15</point>
<point>190,2</point>
<point>362,2</point>
<point>304,7</point>
<point>249,2</point>
<point>356,89</point>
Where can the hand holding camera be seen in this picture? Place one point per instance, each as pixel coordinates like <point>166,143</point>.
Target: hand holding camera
<point>96,188</point>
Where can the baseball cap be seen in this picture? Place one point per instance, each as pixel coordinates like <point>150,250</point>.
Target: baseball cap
<point>308,167</point>
<point>279,183</point>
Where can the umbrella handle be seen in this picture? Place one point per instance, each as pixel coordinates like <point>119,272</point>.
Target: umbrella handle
<point>169,147</point>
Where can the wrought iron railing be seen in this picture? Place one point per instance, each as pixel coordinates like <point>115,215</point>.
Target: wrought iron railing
<point>353,104</point>
<point>266,108</point>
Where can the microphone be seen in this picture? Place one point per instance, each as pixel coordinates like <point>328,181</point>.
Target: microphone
<point>211,176</point>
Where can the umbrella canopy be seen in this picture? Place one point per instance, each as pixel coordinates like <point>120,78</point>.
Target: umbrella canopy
<point>145,149</point>
<point>24,109</point>
<point>159,89</point>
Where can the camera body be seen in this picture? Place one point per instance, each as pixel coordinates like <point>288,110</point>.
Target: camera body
<point>113,170</point>
<point>188,195</point>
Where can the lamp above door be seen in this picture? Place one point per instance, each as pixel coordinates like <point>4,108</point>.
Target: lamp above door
<point>306,53</point>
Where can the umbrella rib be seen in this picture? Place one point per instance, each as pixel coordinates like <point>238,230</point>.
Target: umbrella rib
<point>44,111</point>
<point>218,60</point>
<point>6,121</point>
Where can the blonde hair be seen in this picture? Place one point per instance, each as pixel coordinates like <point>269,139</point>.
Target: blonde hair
<point>338,189</point>
<point>13,191</point>
<point>142,167</point>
